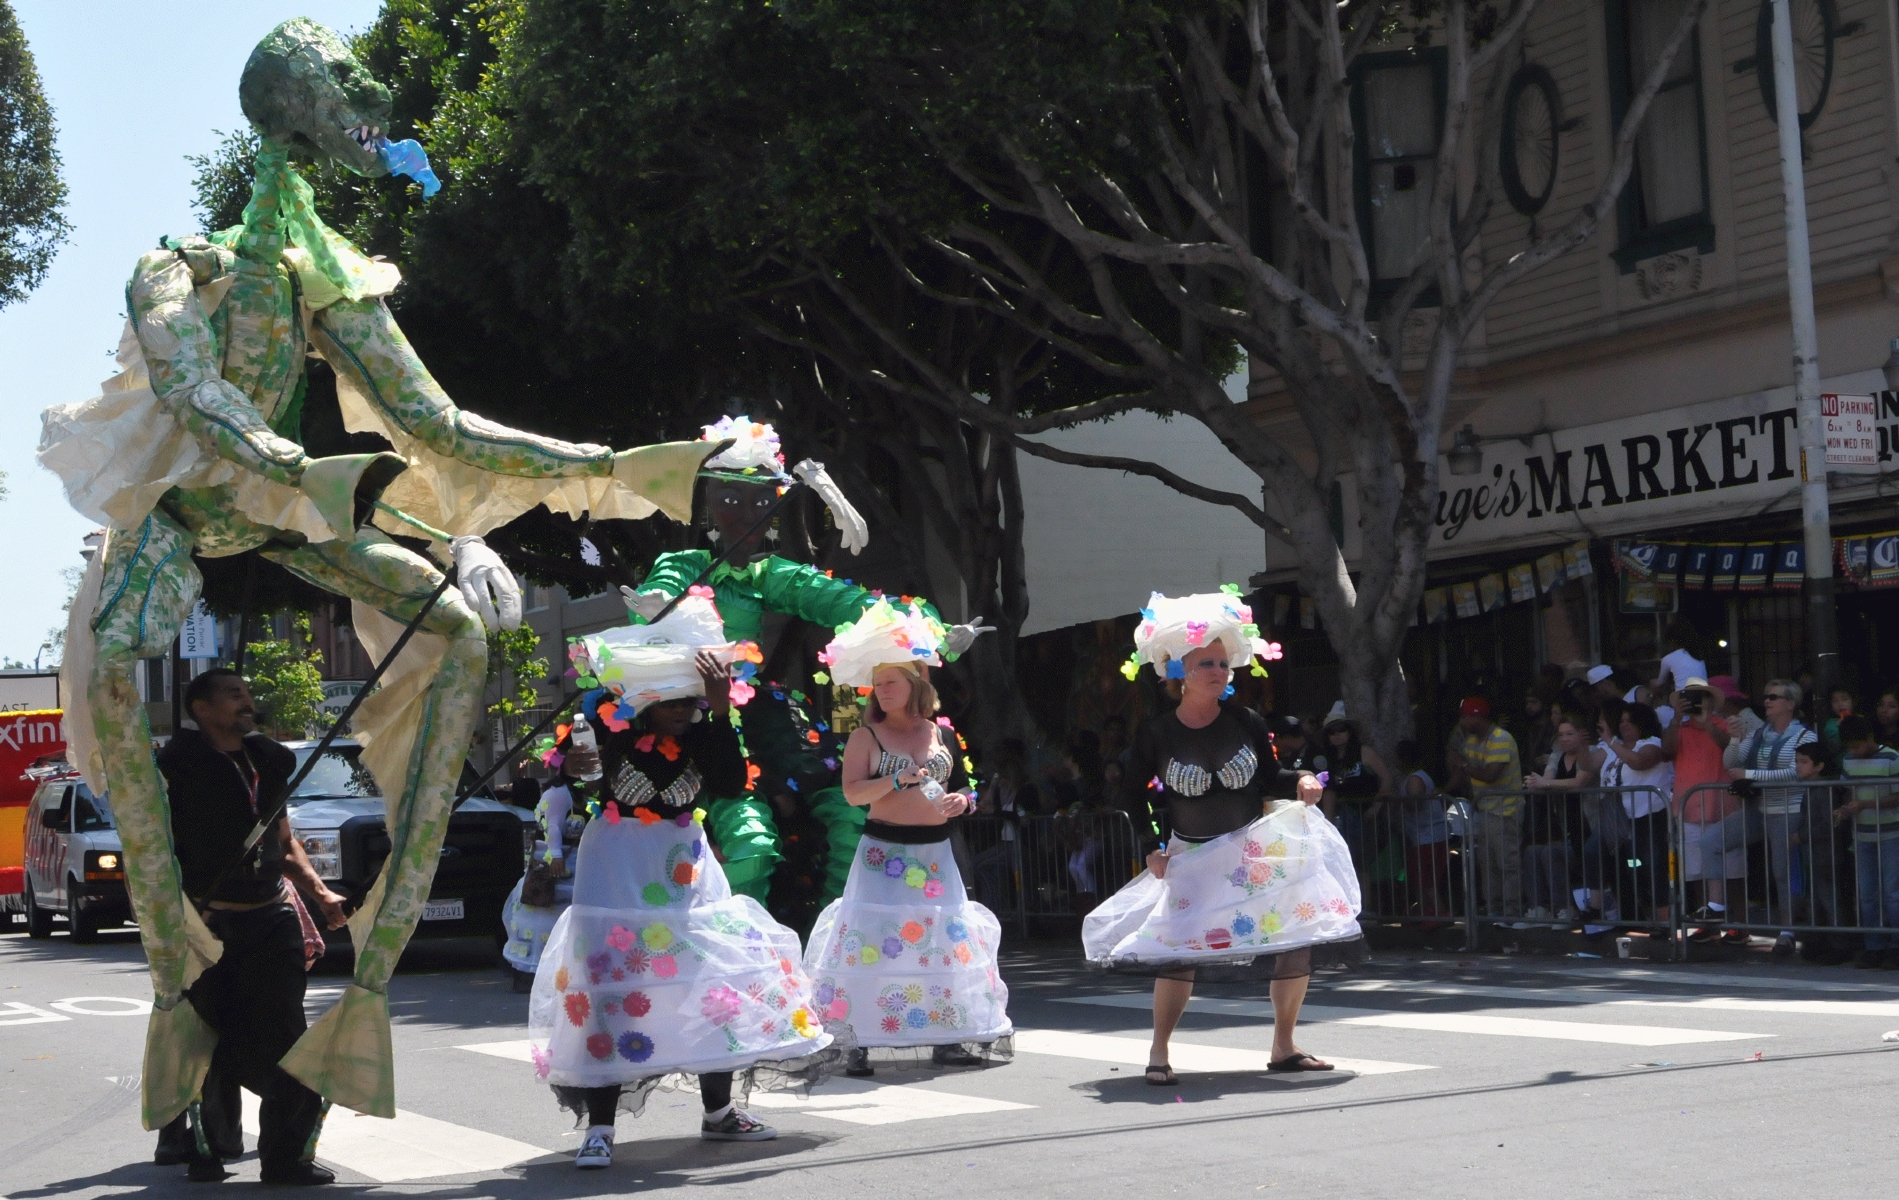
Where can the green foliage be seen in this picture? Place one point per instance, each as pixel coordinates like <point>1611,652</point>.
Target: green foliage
<point>286,679</point>
<point>511,657</point>
<point>222,185</point>
<point>32,195</point>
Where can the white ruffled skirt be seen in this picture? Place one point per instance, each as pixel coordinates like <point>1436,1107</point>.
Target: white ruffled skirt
<point>905,959</point>
<point>658,972</point>
<point>1283,883</point>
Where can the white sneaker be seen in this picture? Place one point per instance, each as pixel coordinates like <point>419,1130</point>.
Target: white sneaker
<point>596,1150</point>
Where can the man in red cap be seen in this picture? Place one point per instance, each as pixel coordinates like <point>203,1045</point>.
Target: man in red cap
<point>1483,757</point>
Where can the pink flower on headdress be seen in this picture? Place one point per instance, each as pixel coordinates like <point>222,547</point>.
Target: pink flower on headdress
<point>1245,613</point>
<point>742,692</point>
<point>1273,652</point>
<point>1196,633</point>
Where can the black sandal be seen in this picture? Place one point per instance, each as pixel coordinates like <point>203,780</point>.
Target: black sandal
<point>1162,1075</point>
<point>1297,1061</point>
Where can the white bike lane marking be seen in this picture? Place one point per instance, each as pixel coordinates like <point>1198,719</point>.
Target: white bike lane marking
<point>411,1146</point>
<point>14,1012</point>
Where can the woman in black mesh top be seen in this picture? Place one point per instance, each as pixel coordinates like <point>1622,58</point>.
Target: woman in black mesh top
<point>1243,880</point>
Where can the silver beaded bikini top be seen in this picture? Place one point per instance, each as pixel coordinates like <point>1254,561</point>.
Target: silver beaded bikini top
<point>631,787</point>
<point>939,764</point>
<point>1188,779</point>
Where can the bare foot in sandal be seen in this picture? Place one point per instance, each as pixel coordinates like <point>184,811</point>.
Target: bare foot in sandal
<point>1161,1075</point>
<point>1298,1060</point>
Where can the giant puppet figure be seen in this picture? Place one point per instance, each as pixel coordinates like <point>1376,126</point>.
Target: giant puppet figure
<point>194,449</point>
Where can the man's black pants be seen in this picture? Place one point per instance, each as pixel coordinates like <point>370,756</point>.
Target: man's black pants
<point>253,997</point>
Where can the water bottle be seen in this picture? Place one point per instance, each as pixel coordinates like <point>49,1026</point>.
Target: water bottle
<point>931,789</point>
<point>582,739</point>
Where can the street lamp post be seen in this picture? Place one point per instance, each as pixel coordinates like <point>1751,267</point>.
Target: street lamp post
<point>1823,639</point>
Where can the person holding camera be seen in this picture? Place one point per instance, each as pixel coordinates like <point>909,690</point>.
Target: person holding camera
<point>1713,822</point>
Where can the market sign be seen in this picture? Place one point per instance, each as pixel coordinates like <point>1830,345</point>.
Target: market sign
<point>1712,461</point>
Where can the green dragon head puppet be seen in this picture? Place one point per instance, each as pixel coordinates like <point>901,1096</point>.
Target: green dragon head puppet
<point>305,93</point>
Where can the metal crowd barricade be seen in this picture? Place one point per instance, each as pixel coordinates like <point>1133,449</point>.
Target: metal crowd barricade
<point>1413,860</point>
<point>1525,868</point>
<point>1793,857</point>
<point>1049,870</point>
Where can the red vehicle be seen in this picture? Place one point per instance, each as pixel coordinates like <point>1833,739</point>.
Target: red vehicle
<point>27,739</point>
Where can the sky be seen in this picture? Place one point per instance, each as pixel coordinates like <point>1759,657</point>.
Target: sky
<point>135,85</point>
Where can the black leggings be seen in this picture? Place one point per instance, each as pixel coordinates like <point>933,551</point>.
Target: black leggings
<point>603,1103</point>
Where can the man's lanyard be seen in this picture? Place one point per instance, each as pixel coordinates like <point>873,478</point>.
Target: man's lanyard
<point>251,781</point>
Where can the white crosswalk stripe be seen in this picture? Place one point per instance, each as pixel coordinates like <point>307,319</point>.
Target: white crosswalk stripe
<point>854,1100</point>
<point>1475,1023</point>
<point>1819,1008</point>
<point>411,1146</point>
<point>1185,1056</point>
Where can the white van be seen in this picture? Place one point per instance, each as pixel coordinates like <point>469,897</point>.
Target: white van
<point>74,865</point>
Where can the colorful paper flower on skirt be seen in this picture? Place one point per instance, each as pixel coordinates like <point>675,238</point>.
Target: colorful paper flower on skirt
<point>637,1004</point>
<point>543,1061</point>
<point>578,1006</point>
<point>621,938</point>
<point>665,967</point>
<point>869,955</point>
<point>600,1045</point>
<point>894,867</point>
<point>1242,926</point>
<point>721,1005</point>
<point>634,1046</point>
<point>911,932</point>
<point>933,889</point>
<point>893,946</point>
<point>656,936</point>
<point>802,1022</point>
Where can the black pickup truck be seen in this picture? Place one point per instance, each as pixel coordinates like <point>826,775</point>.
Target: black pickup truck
<point>337,813</point>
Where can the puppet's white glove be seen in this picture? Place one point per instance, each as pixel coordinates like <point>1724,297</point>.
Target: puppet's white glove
<point>959,638</point>
<point>488,587</point>
<point>856,533</point>
<point>644,604</point>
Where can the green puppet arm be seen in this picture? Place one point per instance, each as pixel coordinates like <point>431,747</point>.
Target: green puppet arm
<point>362,341</point>
<point>181,354</point>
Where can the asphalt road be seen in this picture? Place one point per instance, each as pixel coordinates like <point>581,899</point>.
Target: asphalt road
<point>1489,1076</point>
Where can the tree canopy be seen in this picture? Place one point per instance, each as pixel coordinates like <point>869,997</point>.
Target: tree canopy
<point>32,194</point>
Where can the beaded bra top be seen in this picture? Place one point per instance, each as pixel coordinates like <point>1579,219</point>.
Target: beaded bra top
<point>1190,779</point>
<point>939,764</point>
<point>631,787</point>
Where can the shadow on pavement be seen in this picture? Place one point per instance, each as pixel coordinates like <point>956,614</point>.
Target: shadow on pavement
<point>1197,1087</point>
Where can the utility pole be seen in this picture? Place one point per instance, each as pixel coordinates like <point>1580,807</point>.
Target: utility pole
<point>1823,638</point>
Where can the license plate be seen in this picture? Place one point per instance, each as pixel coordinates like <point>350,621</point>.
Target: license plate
<point>444,910</point>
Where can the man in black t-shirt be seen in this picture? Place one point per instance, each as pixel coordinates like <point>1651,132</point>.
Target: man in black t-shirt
<point>220,778</point>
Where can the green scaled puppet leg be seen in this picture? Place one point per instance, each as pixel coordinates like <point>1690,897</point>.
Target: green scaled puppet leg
<point>843,826</point>
<point>147,584</point>
<point>747,836</point>
<point>346,1055</point>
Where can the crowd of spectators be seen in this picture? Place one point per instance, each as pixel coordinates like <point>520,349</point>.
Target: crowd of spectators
<point>1582,807</point>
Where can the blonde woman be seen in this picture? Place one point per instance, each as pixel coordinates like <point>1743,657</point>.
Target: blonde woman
<point>904,958</point>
